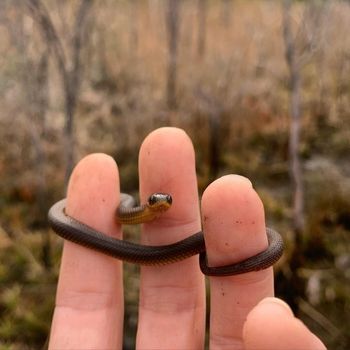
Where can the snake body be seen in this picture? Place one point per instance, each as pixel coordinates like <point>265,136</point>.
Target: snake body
<point>80,233</point>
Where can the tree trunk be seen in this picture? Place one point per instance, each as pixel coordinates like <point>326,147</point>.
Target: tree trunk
<point>296,284</point>
<point>42,106</point>
<point>214,144</point>
<point>226,11</point>
<point>133,32</point>
<point>295,111</point>
<point>172,21</point>
<point>74,80</point>
<point>214,112</point>
<point>70,102</point>
<point>202,27</point>
<point>71,78</point>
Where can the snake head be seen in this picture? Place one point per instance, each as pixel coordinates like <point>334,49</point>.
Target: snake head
<point>159,201</point>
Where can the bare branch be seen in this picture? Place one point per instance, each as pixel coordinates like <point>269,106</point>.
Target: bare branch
<point>202,27</point>
<point>295,110</point>
<point>42,17</point>
<point>78,35</point>
<point>70,74</point>
<point>172,21</point>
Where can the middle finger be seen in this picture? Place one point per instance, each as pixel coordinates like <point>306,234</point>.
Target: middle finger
<point>172,298</point>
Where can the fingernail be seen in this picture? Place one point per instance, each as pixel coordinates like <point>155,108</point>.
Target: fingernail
<point>279,302</point>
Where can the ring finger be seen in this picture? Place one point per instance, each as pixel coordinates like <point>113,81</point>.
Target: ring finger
<point>234,229</point>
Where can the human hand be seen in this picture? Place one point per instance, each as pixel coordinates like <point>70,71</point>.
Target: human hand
<point>89,301</point>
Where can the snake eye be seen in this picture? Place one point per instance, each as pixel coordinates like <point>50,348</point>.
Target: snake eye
<point>153,199</point>
<point>169,198</point>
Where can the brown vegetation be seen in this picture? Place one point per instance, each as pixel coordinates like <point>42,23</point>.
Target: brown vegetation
<point>146,65</point>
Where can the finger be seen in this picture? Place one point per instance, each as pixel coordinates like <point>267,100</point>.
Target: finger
<point>89,301</point>
<point>272,325</point>
<point>172,299</point>
<point>234,229</point>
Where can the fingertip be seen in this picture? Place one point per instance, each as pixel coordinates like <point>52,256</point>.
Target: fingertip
<point>93,186</point>
<point>95,158</point>
<point>272,325</point>
<point>166,132</point>
<point>92,166</point>
<point>219,194</point>
<point>230,204</point>
<point>277,302</point>
<point>166,141</point>
<point>275,307</point>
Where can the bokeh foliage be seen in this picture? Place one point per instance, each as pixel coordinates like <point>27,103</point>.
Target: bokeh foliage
<point>237,86</point>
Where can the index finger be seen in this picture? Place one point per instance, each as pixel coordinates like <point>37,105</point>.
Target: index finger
<point>89,300</point>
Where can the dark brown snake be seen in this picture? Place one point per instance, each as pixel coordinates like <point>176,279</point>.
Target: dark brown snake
<point>127,213</point>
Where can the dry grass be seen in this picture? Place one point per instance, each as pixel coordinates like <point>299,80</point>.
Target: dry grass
<point>242,80</point>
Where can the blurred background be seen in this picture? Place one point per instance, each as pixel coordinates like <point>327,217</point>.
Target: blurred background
<point>261,87</point>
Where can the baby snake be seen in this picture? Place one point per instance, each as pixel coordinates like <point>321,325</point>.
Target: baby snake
<point>128,213</point>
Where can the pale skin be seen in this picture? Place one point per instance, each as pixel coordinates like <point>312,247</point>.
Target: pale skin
<point>244,313</point>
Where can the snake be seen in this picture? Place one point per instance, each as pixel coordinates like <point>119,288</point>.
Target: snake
<point>129,213</point>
